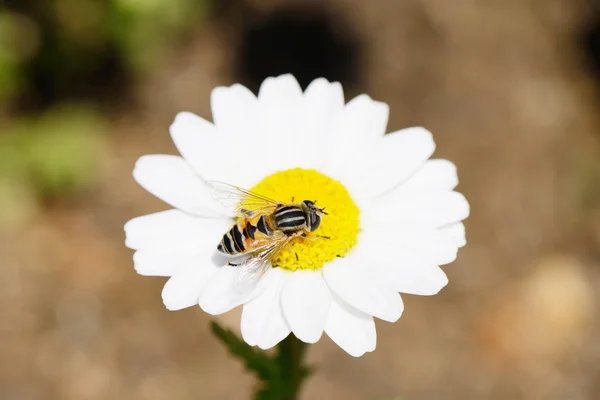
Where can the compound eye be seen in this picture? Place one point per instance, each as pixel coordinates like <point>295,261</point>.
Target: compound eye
<point>309,203</point>
<point>315,221</point>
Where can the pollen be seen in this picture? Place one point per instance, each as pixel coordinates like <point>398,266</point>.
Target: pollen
<point>339,228</point>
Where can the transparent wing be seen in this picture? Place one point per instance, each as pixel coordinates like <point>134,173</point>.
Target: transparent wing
<point>256,265</point>
<point>241,201</point>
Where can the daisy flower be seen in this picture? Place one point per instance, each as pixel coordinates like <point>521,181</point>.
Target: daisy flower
<point>393,216</point>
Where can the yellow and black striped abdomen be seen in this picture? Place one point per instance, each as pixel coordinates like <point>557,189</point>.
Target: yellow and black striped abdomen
<point>246,235</point>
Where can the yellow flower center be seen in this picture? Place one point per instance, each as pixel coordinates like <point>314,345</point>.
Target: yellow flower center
<point>340,224</point>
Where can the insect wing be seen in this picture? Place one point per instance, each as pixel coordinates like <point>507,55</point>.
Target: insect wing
<point>241,201</point>
<point>253,268</point>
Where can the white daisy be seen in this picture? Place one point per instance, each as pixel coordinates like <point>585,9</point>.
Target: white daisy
<point>393,216</point>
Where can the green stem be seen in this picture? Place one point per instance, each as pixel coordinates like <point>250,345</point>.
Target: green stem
<point>290,354</point>
<point>280,375</point>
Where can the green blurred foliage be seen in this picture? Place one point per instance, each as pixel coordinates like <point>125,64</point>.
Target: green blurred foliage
<point>54,50</point>
<point>55,154</point>
<point>14,50</point>
<point>63,149</point>
<point>144,29</point>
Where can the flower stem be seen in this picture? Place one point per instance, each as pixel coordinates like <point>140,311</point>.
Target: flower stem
<point>280,375</point>
<point>290,353</point>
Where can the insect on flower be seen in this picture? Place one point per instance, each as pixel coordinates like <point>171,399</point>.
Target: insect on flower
<point>264,228</point>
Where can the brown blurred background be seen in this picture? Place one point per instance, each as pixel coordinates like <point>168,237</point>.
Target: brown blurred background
<point>508,87</point>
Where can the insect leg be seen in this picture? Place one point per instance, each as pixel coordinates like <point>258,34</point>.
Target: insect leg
<point>315,237</point>
<point>294,251</point>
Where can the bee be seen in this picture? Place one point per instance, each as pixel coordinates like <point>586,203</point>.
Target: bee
<point>265,227</point>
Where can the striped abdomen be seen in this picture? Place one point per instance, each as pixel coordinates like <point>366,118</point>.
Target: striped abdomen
<point>243,236</point>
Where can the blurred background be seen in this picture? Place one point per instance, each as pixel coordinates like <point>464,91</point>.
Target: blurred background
<point>509,88</point>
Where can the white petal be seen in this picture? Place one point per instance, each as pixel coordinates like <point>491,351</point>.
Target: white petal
<point>219,297</point>
<point>434,175</point>
<point>185,287</point>
<point>173,181</point>
<point>429,244</point>
<point>281,103</point>
<point>419,277</point>
<point>203,147</point>
<point>280,89</point>
<point>457,231</point>
<point>426,281</point>
<point>305,299</point>
<point>324,97</point>
<point>404,270</point>
<point>429,209</point>
<point>173,228</point>
<point>153,262</point>
<point>275,330</point>
<point>361,122</point>
<point>321,105</point>
<point>359,287</point>
<point>351,329</point>
<point>238,118</point>
<point>258,312</point>
<point>382,164</point>
<point>234,110</point>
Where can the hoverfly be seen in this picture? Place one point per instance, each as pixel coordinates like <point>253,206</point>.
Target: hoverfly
<point>265,227</point>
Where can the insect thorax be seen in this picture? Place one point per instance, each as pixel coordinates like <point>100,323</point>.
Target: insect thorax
<point>290,218</point>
